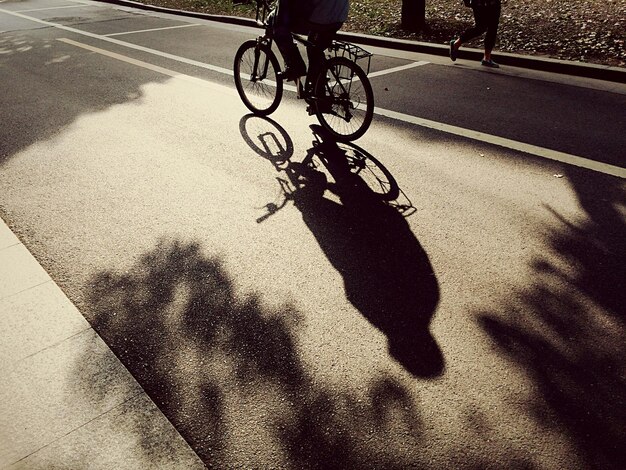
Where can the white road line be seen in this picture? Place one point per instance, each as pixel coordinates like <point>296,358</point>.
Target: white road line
<point>459,131</point>
<point>155,68</point>
<point>391,70</point>
<point>398,69</point>
<point>507,143</point>
<point>153,29</point>
<point>467,133</point>
<point>184,60</point>
<point>52,8</point>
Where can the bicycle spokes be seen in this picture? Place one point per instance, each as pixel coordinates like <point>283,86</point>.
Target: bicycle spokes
<point>256,69</point>
<point>345,104</point>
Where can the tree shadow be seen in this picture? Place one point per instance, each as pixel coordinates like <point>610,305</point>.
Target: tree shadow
<point>226,371</point>
<point>568,329</point>
<point>363,233</point>
<point>57,84</point>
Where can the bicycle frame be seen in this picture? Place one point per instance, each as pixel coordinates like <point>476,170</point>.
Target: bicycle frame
<point>350,51</point>
<point>263,8</point>
<point>328,87</point>
<point>255,75</point>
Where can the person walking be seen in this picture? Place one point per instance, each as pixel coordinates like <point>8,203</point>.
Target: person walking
<point>487,18</point>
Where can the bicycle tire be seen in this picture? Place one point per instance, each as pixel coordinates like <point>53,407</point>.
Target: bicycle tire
<point>336,107</point>
<point>263,96</point>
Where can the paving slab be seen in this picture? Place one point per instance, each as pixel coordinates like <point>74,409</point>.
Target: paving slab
<point>19,271</point>
<point>7,238</point>
<point>66,401</point>
<point>56,391</point>
<point>37,318</point>
<point>131,436</point>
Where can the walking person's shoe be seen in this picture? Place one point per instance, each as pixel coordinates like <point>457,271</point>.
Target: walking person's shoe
<point>453,50</point>
<point>490,63</point>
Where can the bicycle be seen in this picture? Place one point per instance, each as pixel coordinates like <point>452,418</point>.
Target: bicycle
<point>341,97</point>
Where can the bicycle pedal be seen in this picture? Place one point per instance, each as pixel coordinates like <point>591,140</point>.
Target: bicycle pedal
<point>310,110</point>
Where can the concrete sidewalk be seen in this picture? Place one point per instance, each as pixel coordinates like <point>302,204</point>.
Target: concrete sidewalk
<point>66,401</point>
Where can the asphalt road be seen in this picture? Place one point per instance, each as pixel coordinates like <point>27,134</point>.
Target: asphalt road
<point>283,317</point>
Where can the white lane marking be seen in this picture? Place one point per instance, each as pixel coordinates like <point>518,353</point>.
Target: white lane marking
<point>388,71</point>
<point>391,70</point>
<point>459,131</point>
<point>170,73</point>
<point>507,143</point>
<point>52,8</point>
<point>467,133</point>
<point>398,69</point>
<point>153,29</point>
<point>184,60</point>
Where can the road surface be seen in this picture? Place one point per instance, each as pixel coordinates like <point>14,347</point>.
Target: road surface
<point>283,316</point>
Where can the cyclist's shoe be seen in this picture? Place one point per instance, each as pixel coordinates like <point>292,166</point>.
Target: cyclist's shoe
<point>290,74</point>
<point>307,91</point>
<point>325,106</point>
<point>319,104</point>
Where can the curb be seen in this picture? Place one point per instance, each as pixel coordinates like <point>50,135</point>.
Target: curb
<point>564,67</point>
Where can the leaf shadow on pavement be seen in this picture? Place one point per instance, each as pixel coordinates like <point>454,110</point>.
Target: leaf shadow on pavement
<point>567,330</point>
<point>363,232</point>
<point>226,371</point>
<point>56,87</point>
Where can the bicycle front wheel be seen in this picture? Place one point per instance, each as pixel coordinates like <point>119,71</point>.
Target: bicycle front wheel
<point>256,78</point>
<point>344,99</point>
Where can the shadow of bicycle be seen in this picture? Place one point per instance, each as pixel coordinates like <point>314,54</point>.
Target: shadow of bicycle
<point>353,206</point>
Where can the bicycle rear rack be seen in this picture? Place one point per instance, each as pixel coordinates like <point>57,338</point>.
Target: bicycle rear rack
<point>353,52</point>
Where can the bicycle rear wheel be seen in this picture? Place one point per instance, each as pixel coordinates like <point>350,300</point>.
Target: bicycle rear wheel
<point>256,78</point>
<point>344,100</point>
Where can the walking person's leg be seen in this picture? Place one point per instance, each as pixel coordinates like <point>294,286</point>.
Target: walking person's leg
<point>480,26</point>
<point>493,20</point>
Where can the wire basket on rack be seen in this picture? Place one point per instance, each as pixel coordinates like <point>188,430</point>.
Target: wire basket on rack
<point>353,52</point>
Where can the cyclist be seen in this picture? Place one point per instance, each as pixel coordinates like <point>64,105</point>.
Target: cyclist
<point>319,19</point>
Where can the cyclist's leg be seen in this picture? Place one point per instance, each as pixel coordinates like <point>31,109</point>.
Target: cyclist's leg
<point>282,24</point>
<point>320,38</point>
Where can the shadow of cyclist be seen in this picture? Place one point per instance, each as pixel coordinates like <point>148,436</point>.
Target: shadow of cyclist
<point>387,274</point>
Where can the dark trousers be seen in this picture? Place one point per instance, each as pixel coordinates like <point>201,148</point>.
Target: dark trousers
<point>320,38</point>
<point>487,19</point>
<point>285,21</point>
